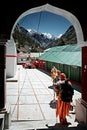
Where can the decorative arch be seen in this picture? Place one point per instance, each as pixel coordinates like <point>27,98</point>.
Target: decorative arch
<point>69,16</point>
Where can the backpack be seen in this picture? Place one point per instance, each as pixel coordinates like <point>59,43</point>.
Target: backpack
<point>67,91</point>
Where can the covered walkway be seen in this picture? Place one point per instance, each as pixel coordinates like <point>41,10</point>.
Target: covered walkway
<point>29,95</point>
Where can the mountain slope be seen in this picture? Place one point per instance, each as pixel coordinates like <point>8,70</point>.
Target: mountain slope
<point>69,37</point>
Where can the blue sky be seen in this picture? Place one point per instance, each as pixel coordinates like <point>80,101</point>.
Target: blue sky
<point>45,22</point>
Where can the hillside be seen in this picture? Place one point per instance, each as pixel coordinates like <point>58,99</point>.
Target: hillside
<point>69,37</point>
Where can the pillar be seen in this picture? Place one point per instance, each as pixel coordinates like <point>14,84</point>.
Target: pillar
<point>2,74</point>
<point>81,105</point>
<point>84,73</point>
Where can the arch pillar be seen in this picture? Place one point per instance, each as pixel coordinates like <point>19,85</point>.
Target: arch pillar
<point>2,74</point>
<point>4,108</point>
<point>84,73</point>
<point>11,58</point>
<point>81,104</point>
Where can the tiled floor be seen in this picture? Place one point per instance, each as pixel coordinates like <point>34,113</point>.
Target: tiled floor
<point>30,100</point>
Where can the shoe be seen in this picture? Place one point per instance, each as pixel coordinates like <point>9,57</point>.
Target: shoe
<point>64,122</point>
<point>54,101</point>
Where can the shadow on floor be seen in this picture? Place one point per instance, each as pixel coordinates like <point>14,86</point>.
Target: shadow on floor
<point>58,126</point>
<point>51,87</point>
<point>53,104</point>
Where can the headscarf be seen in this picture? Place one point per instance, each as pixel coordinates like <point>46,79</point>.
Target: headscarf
<point>62,76</point>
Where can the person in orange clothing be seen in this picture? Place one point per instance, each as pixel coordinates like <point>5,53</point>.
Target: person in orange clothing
<point>66,99</point>
<point>57,89</point>
<point>54,74</point>
<point>54,77</point>
<point>64,91</point>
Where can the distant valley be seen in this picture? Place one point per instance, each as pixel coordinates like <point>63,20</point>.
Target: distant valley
<point>31,40</point>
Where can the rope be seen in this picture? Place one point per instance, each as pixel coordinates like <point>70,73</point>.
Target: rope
<point>19,93</point>
<point>39,22</point>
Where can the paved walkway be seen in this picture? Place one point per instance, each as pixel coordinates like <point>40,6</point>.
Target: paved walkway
<point>30,94</point>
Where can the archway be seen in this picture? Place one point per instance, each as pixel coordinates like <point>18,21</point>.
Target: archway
<point>54,10</point>
<point>57,11</point>
<point>10,71</point>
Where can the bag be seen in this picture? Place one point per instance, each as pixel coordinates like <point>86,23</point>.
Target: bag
<point>67,92</point>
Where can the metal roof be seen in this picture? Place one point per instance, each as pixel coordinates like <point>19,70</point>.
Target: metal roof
<point>67,54</point>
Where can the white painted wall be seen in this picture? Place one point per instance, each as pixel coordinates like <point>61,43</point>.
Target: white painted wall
<point>11,58</point>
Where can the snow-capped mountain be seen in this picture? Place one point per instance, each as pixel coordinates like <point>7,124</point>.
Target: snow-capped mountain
<point>43,38</point>
<point>36,39</point>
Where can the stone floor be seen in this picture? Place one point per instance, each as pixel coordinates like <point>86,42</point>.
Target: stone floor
<point>29,95</point>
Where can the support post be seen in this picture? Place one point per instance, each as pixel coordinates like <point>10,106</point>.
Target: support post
<point>81,105</point>
<point>2,74</point>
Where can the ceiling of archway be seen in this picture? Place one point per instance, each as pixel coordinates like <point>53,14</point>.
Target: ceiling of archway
<point>10,11</point>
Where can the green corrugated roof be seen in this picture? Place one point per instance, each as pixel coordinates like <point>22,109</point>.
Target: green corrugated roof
<point>67,54</point>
